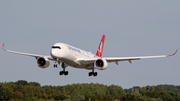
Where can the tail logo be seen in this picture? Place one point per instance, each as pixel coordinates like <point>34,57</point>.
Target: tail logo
<point>100,49</point>
<point>3,46</point>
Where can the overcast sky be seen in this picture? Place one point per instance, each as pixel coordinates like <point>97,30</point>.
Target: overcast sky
<point>132,28</point>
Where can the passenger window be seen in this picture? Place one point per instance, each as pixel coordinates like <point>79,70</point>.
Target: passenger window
<point>56,47</point>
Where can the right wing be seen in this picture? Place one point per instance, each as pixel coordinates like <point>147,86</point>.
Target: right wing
<point>27,54</point>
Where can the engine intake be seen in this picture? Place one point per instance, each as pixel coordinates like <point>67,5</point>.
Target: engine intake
<point>43,62</point>
<point>101,64</point>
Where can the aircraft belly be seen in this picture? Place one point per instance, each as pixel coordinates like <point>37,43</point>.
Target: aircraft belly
<point>81,67</point>
<point>68,61</point>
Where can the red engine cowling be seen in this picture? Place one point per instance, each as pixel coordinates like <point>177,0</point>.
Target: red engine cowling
<point>43,62</point>
<point>101,64</point>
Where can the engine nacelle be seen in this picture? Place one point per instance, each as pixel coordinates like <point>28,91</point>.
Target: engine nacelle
<point>101,64</point>
<point>43,62</point>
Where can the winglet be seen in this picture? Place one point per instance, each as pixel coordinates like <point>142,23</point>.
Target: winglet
<point>3,46</point>
<point>173,53</point>
<point>101,45</point>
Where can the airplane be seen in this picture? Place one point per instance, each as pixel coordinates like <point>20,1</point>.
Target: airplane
<point>67,55</point>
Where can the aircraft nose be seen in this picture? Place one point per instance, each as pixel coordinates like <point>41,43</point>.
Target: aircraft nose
<point>54,53</point>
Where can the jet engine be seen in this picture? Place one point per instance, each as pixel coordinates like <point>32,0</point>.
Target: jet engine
<point>101,64</point>
<point>43,62</point>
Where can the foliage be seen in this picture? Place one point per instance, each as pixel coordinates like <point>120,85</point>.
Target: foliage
<point>134,97</point>
<point>157,93</point>
<point>78,98</point>
<point>60,97</point>
<point>22,90</point>
<point>33,91</point>
<point>158,88</point>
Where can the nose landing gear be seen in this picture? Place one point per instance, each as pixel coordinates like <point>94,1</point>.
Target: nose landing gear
<point>56,65</point>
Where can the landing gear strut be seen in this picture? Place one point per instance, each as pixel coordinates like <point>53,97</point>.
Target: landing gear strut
<point>93,73</point>
<point>63,65</point>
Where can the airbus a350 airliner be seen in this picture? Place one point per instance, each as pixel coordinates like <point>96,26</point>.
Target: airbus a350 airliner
<point>67,55</point>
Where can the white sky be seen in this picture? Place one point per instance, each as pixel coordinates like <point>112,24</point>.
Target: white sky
<point>132,28</point>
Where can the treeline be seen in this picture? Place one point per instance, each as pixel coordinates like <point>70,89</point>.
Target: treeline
<point>22,90</point>
<point>33,91</point>
<point>153,93</point>
<point>158,88</point>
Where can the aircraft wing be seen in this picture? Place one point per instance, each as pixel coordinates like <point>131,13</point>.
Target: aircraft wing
<point>116,59</point>
<point>27,54</point>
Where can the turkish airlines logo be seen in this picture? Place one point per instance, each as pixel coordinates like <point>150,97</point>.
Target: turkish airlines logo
<point>3,46</point>
<point>101,47</point>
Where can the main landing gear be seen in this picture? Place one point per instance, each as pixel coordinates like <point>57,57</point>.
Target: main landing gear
<point>93,73</point>
<point>63,65</point>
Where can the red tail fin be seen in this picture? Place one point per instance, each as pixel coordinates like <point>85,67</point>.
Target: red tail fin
<point>101,45</point>
<point>3,46</point>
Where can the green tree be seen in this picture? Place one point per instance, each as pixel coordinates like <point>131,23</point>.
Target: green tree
<point>116,91</point>
<point>60,97</point>
<point>2,93</point>
<point>5,92</point>
<point>176,95</point>
<point>151,94</point>
<point>35,84</point>
<point>109,98</point>
<point>79,98</point>
<point>133,97</point>
<point>21,82</point>
<point>99,97</point>
<point>156,99</point>
<point>88,94</point>
<point>166,97</point>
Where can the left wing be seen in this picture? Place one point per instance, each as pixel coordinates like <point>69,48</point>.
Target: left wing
<point>136,58</point>
<point>116,59</point>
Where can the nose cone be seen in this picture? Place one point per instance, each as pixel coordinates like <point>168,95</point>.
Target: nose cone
<point>54,53</point>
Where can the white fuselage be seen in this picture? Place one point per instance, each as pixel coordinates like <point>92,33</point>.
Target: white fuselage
<point>70,55</point>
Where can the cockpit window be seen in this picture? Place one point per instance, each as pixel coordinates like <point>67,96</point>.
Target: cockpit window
<point>56,47</point>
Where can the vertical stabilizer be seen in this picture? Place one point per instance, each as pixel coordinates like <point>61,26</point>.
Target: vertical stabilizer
<point>3,46</point>
<point>101,45</point>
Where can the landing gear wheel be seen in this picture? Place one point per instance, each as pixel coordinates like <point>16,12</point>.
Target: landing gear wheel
<point>66,73</point>
<point>55,65</point>
<point>61,72</point>
<point>90,73</point>
<point>63,65</point>
<point>95,73</point>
